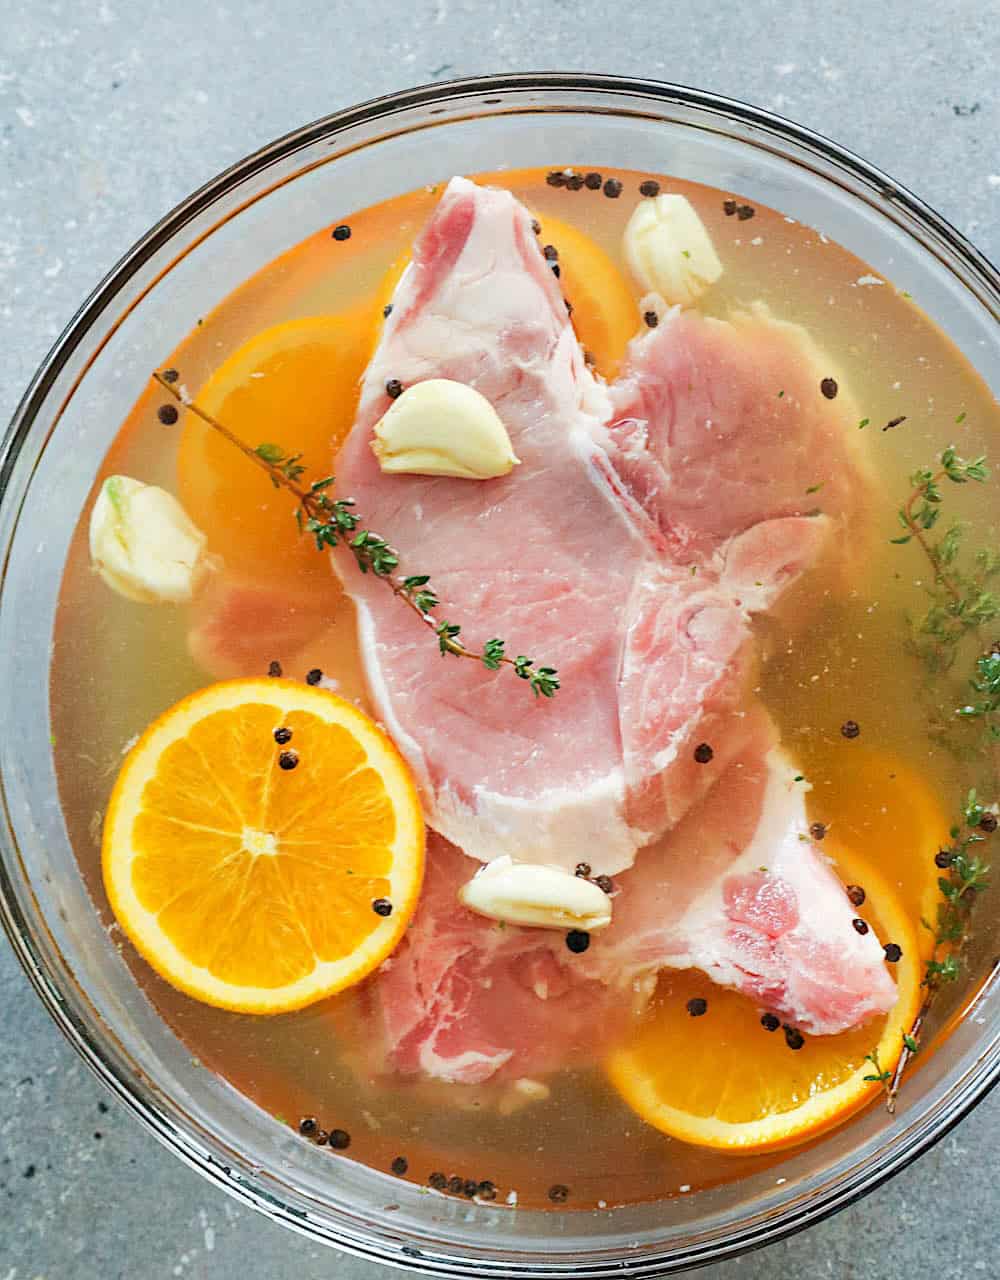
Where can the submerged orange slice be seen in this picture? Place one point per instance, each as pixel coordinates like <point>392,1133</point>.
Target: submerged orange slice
<point>249,884</point>
<point>295,385</point>
<point>874,803</point>
<point>723,1081</point>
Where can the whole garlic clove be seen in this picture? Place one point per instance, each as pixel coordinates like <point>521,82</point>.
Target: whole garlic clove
<point>669,251</point>
<point>443,428</point>
<point>539,896</point>
<point>143,543</point>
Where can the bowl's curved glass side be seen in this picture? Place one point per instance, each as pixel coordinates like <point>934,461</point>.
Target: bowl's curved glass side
<point>68,420</point>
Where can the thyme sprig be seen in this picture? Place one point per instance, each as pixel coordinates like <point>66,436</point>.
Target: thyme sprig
<point>332,521</point>
<point>961,605</point>
<point>961,601</point>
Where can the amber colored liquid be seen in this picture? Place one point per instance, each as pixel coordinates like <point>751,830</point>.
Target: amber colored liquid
<point>116,666</point>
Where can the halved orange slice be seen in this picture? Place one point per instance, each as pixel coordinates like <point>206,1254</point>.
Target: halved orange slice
<point>264,845</point>
<point>723,1081</point>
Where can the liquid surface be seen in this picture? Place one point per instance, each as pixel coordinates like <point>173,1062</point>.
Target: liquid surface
<point>117,665</point>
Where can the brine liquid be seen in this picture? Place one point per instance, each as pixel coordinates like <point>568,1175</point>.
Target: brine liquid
<point>117,665</point>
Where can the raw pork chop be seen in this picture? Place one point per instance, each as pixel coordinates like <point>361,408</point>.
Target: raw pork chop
<point>558,559</point>
<point>734,890</point>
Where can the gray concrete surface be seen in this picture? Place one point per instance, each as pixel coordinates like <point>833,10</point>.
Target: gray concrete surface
<point>112,111</point>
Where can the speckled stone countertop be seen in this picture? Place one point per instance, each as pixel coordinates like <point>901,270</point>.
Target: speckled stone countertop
<point>111,112</point>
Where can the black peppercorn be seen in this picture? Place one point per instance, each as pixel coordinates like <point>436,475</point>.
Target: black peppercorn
<point>470,1187</point>
<point>893,952</point>
<point>769,1022</point>
<point>555,270</point>
<point>394,388</point>
<point>578,941</point>
<point>282,735</point>
<point>343,232</point>
<point>340,1139</point>
<point>593,181</point>
<point>550,252</point>
<point>829,388</point>
<point>438,1181</point>
<point>455,1185</point>
<point>855,895</point>
<point>314,676</point>
<point>582,869</point>
<point>649,188</point>
<point>274,669</point>
<point>382,907</point>
<point>605,884</point>
<point>170,375</point>
<point>556,178</point>
<point>308,1126</point>
<point>697,1007</point>
<point>988,823</point>
<point>703,753</point>
<point>536,226</point>
<point>167,414</point>
<point>651,319</point>
<point>729,207</point>
<point>818,830</point>
<point>794,1038</point>
<point>287,760</point>
<point>574,181</point>
<point>487,1190</point>
<point>745,211</point>
<point>943,858</point>
<point>558,1194</point>
<point>399,1166</point>
<point>387,311</point>
<point>321,1137</point>
<point>850,728</point>
<point>859,926</point>
<point>612,188</point>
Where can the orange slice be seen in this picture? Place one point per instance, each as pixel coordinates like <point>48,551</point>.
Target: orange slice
<point>875,804</point>
<point>250,885</point>
<point>723,1081</point>
<point>295,385</point>
<point>605,311</point>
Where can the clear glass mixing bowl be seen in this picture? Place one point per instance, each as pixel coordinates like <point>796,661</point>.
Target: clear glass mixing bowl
<point>68,418</point>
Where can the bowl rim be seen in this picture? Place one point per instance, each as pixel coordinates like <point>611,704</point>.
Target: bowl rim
<point>940,235</point>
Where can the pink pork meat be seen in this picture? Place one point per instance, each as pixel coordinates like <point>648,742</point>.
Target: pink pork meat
<point>736,890</point>
<point>560,560</point>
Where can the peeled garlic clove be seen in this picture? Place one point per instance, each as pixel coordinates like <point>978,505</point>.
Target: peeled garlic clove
<point>542,897</point>
<point>143,543</point>
<point>669,251</point>
<point>443,428</point>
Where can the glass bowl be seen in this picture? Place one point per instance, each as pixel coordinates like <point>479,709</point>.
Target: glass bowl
<point>185,265</point>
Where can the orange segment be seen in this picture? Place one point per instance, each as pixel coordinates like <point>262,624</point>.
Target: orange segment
<point>248,885</point>
<point>722,1081</point>
<point>605,312</point>
<point>875,804</point>
<point>295,385</point>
